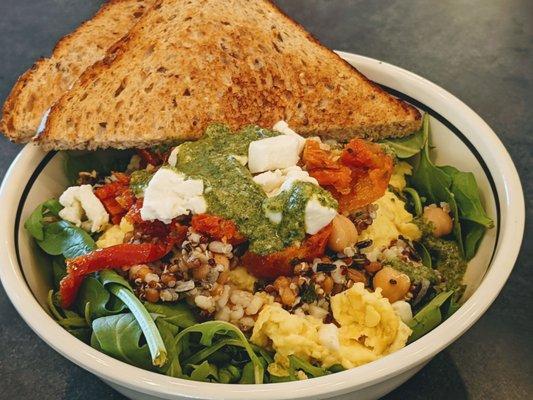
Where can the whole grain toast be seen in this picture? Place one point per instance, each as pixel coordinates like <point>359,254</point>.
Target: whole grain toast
<point>186,64</point>
<point>44,83</point>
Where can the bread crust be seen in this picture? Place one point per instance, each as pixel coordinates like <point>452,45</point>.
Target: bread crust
<point>44,83</point>
<point>224,68</point>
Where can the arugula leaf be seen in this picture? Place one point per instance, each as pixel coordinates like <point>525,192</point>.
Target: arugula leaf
<point>69,320</point>
<point>178,314</point>
<point>432,315</point>
<point>63,238</point>
<point>95,301</point>
<point>408,146</point>
<point>120,288</point>
<point>205,372</point>
<point>35,224</point>
<point>310,370</point>
<point>209,332</point>
<point>119,336</point>
<point>102,161</point>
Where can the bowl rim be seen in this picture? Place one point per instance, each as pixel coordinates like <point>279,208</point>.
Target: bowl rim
<point>511,203</point>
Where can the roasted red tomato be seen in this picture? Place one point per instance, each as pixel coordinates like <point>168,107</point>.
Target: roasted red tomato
<point>116,196</point>
<point>282,263</point>
<point>217,228</point>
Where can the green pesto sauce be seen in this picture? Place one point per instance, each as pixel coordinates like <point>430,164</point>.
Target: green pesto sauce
<point>415,272</point>
<point>231,193</point>
<point>139,181</point>
<point>291,203</point>
<point>446,257</point>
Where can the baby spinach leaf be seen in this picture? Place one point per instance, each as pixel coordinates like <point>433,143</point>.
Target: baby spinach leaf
<point>109,276</point>
<point>472,238</point>
<point>408,146</point>
<point>59,269</point>
<point>102,161</point>
<point>424,254</point>
<point>64,238</point>
<point>119,336</point>
<point>430,316</point>
<point>466,192</point>
<point>178,314</point>
<point>35,224</point>
<point>415,200</point>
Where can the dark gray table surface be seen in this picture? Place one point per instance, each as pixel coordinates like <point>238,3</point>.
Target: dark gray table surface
<point>479,50</point>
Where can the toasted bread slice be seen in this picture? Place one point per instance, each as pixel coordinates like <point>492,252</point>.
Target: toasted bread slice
<point>187,64</point>
<point>42,85</point>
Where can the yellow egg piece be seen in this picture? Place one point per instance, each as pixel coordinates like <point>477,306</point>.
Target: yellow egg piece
<point>369,328</point>
<point>392,220</point>
<point>397,179</point>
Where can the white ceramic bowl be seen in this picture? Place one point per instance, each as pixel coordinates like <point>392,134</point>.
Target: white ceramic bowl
<point>462,139</point>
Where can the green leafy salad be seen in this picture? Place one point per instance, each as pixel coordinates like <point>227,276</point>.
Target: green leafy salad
<point>258,256</point>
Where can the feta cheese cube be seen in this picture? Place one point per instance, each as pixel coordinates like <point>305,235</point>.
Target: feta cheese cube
<point>269,180</point>
<point>317,216</point>
<point>403,310</point>
<point>170,194</point>
<point>283,127</point>
<point>272,153</point>
<point>294,174</point>
<point>328,335</point>
<point>79,200</point>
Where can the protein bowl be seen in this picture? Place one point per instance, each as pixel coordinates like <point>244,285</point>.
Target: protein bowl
<point>462,139</point>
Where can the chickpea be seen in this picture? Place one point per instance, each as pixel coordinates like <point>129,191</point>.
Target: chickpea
<point>151,295</point>
<point>394,284</point>
<point>440,219</point>
<point>288,297</point>
<point>343,234</point>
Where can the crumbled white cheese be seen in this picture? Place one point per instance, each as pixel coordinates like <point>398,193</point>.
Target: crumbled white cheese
<point>272,153</point>
<point>274,217</point>
<point>173,156</point>
<point>274,182</point>
<point>170,194</point>
<point>80,200</point>
<point>403,310</point>
<point>317,216</point>
<point>294,174</point>
<point>283,127</point>
<point>328,335</point>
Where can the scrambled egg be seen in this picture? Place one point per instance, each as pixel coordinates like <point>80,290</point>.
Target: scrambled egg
<point>397,179</point>
<point>369,329</point>
<point>242,279</point>
<point>114,234</point>
<point>391,221</point>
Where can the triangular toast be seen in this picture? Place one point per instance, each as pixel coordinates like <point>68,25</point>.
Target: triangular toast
<point>187,64</point>
<point>44,83</point>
